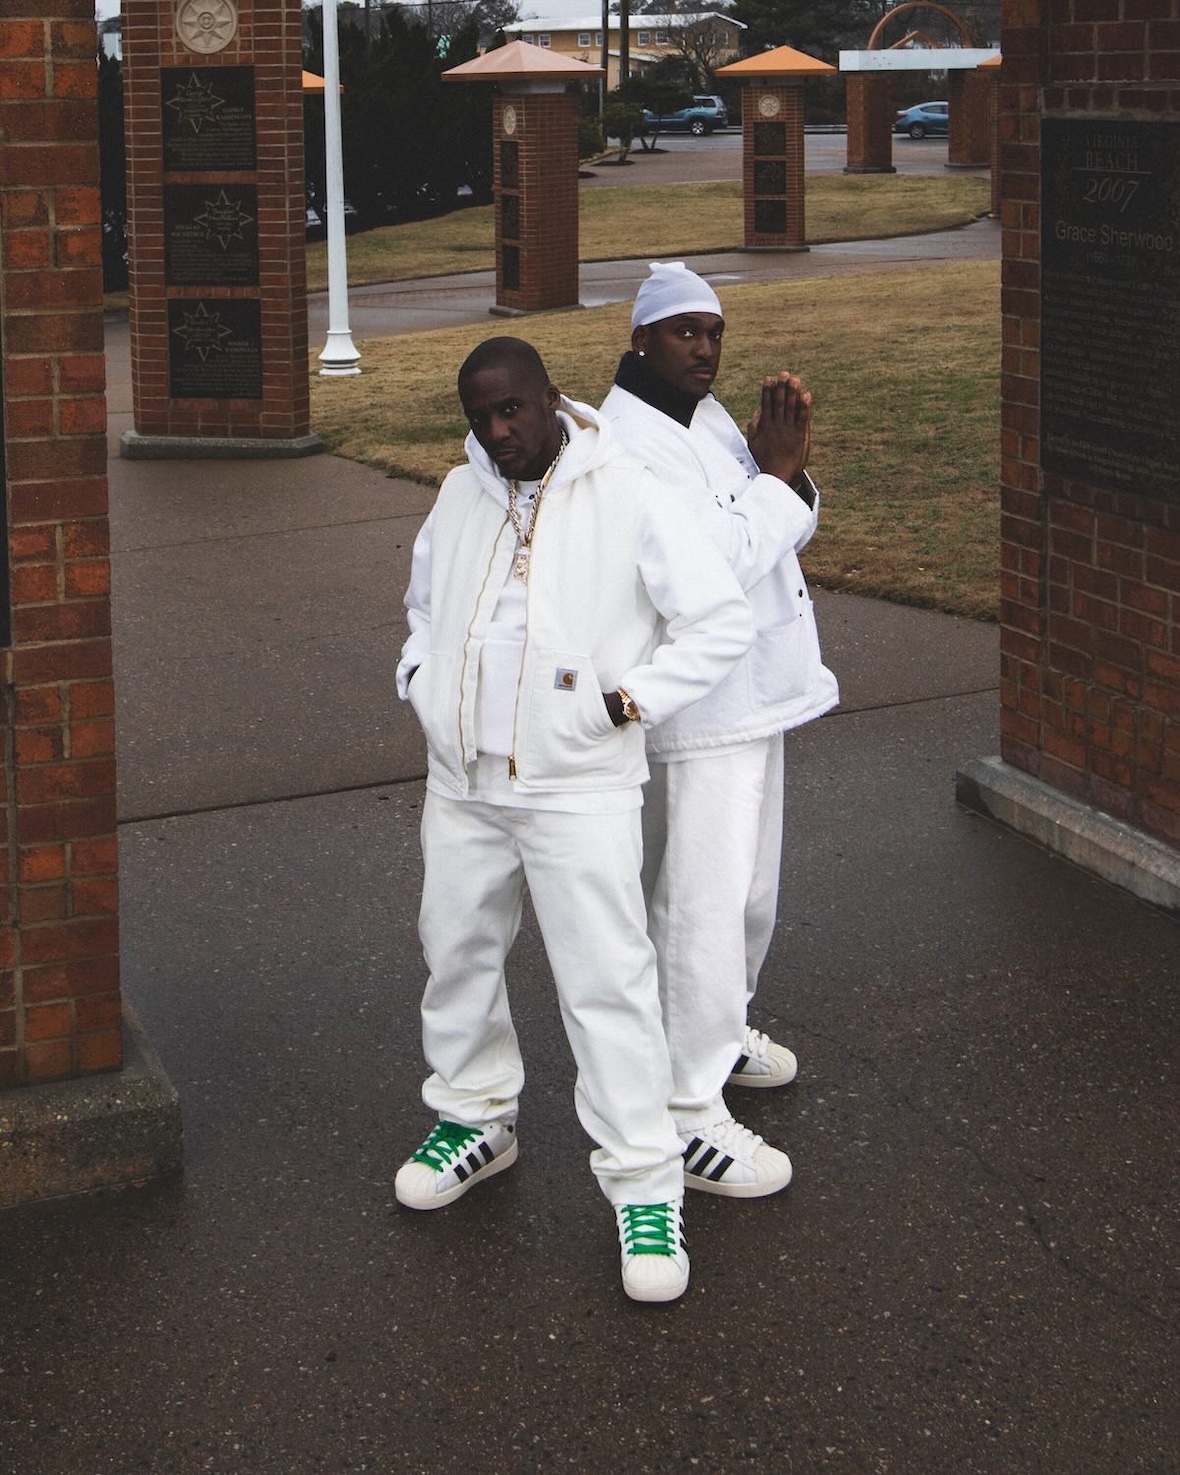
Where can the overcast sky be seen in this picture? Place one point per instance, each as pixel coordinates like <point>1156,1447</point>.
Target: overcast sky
<point>549,8</point>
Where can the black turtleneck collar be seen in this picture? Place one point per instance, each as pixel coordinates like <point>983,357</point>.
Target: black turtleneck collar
<point>636,378</point>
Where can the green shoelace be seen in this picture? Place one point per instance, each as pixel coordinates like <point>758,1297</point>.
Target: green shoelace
<point>649,1229</point>
<point>443,1146</point>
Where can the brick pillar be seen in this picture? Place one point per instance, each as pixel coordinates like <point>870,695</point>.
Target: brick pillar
<point>59,998</point>
<point>993,136</point>
<point>870,124</point>
<point>772,165</point>
<point>215,187</point>
<point>74,1113</point>
<point>535,138</point>
<point>1090,430</point>
<point>969,144</point>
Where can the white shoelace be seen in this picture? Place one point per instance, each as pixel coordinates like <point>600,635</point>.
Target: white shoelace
<point>757,1044</point>
<point>732,1137</point>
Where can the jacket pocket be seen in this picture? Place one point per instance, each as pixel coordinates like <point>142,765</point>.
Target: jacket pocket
<point>563,726</point>
<point>784,660</point>
<point>434,696</point>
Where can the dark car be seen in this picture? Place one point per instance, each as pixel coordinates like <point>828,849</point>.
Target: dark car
<point>924,118</point>
<point>705,114</point>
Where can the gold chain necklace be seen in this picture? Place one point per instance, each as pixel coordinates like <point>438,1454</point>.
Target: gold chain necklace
<point>520,564</point>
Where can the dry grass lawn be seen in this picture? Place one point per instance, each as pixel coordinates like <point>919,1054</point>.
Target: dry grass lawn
<point>681,219</point>
<point>903,364</point>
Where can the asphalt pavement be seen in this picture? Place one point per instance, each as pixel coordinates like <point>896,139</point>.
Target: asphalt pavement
<point>973,1270</point>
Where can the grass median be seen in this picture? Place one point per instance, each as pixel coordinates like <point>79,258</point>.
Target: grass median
<point>664,220</point>
<point>903,364</point>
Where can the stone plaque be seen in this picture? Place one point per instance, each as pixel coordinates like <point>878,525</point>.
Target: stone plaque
<point>770,139</point>
<point>770,217</point>
<point>211,235</point>
<point>1110,303</point>
<point>770,176</point>
<point>207,116</point>
<point>214,348</point>
<point>509,165</point>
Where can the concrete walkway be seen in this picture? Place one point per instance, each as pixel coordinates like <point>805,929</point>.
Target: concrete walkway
<point>973,1271</point>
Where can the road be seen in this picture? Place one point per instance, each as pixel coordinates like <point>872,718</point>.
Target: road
<point>680,158</point>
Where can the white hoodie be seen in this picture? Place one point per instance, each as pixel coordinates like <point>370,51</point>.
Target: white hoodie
<point>759,524</point>
<point>623,591</point>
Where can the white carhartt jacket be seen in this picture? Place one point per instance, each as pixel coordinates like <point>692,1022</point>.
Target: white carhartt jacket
<point>622,591</point>
<point>759,524</point>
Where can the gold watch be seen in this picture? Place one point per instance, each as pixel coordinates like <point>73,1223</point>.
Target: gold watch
<point>630,706</point>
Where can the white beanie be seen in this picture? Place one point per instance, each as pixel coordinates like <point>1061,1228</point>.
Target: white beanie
<point>672,289</point>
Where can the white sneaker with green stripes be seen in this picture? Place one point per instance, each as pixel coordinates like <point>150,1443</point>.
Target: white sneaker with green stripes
<point>654,1250</point>
<point>451,1160</point>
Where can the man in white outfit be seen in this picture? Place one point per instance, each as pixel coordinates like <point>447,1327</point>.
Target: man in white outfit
<point>713,813</point>
<point>558,605</point>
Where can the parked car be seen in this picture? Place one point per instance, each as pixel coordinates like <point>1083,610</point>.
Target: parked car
<point>317,225</point>
<point>923,118</point>
<point>705,114</point>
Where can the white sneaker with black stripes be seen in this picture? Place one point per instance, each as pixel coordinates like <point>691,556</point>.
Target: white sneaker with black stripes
<point>451,1160</point>
<point>730,1160</point>
<point>763,1064</point>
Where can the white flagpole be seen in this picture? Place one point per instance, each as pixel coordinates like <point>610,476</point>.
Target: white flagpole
<point>339,355</point>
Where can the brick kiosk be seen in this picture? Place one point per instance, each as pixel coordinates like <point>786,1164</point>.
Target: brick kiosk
<point>216,228</point>
<point>82,1100</point>
<point>535,139</point>
<point>870,117</point>
<point>969,96</point>
<point>1090,448</point>
<point>870,123</point>
<point>772,145</point>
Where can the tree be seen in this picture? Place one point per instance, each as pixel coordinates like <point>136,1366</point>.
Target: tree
<point>698,42</point>
<point>821,28</point>
<point>446,18</point>
<point>660,89</point>
<point>622,120</point>
<point>410,141</point>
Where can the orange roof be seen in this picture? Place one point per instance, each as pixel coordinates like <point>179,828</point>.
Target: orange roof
<point>312,83</point>
<point>520,61</point>
<point>783,61</point>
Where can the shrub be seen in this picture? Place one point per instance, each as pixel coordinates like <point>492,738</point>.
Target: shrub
<point>590,138</point>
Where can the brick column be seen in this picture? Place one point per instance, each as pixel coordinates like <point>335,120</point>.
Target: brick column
<point>216,209</point>
<point>772,165</point>
<point>1090,486</point>
<point>73,1116</point>
<point>969,144</point>
<point>870,124</point>
<point>535,138</point>
<point>992,75</point>
<point>59,998</point>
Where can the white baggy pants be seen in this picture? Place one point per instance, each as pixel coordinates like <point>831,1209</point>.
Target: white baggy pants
<point>713,837</point>
<point>582,872</point>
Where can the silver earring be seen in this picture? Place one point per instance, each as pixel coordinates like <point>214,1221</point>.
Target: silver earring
<point>640,352</point>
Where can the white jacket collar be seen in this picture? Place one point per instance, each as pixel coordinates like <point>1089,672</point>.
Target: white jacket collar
<point>591,443</point>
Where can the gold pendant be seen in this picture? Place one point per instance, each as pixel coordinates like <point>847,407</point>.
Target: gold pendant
<point>520,565</point>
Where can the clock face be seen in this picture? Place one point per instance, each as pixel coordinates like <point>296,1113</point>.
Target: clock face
<point>509,119</point>
<point>769,105</point>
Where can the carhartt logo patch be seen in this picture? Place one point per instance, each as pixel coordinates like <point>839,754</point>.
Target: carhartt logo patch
<point>565,680</point>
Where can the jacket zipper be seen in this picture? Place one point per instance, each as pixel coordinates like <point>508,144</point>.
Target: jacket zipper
<point>467,642</point>
<point>525,647</point>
